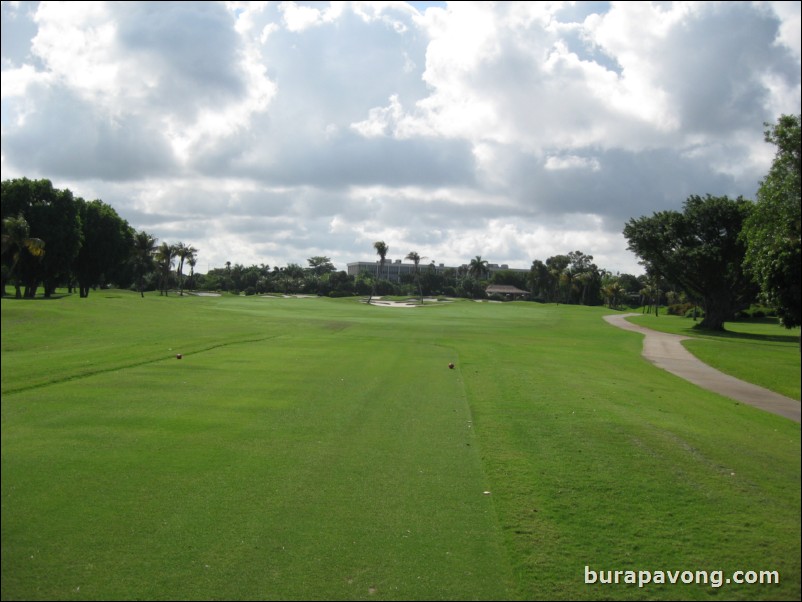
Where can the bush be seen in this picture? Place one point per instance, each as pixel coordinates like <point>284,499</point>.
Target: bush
<point>756,312</point>
<point>685,309</point>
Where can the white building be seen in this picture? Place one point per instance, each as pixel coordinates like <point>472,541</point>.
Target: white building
<point>393,270</point>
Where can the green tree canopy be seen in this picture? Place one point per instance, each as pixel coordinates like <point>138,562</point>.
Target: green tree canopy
<point>700,251</point>
<point>107,244</point>
<point>321,265</point>
<point>16,241</point>
<point>142,257</point>
<point>52,216</point>
<point>478,269</point>
<point>772,232</point>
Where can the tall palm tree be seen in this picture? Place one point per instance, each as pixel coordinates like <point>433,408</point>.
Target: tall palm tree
<point>381,251</point>
<point>415,258</point>
<point>183,251</point>
<point>192,262</point>
<point>478,267</point>
<point>16,238</point>
<point>165,258</point>
<point>144,250</point>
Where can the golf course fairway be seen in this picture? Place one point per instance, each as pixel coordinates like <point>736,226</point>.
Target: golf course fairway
<point>244,448</point>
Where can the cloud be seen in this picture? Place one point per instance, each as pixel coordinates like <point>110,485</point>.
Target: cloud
<point>268,132</point>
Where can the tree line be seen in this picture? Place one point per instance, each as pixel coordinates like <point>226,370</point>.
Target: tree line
<point>719,255</point>
<point>52,238</point>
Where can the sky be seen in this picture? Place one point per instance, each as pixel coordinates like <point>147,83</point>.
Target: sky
<point>272,132</point>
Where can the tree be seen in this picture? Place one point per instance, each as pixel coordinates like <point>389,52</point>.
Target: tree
<point>165,259</point>
<point>227,286</point>
<point>142,258</point>
<point>433,282</point>
<point>320,265</point>
<point>183,252</point>
<point>381,251</point>
<point>16,241</point>
<point>540,281</point>
<point>557,266</point>
<point>613,292</point>
<point>107,244</point>
<point>192,261</point>
<point>478,268</point>
<point>772,232</point>
<point>415,258</point>
<point>700,251</point>
<point>585,275</point>
<point>293,277</point>
<point>52,215</point>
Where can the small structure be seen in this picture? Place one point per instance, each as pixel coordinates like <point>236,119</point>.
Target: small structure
<point>508,291</point>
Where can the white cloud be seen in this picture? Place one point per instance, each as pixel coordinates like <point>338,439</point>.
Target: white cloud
<point>265,132</point>
<point>572,162</point>
<point>298,18</point>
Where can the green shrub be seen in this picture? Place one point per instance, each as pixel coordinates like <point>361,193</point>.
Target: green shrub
<point>682,309</point>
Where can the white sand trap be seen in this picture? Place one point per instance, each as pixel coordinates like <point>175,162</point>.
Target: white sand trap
<point>380,301</point>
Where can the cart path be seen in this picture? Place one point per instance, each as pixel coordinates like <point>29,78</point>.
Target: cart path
<point>666,351</point>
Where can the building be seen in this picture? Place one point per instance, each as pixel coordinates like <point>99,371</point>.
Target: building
<point>393,270</point>
<point>510,292</point>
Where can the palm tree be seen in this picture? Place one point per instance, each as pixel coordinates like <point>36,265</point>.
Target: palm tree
<point>415,258</point>
<point>613,293</point>
<point>191,262</point>
<point>16,238</point>
<point>165,256</point>
<point>381,251</point>
<point>646,298</point>
<point>144,250</point>
<point>183,251</point>
<point>478,267</point>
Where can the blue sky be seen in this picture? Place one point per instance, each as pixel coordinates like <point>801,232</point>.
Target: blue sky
<point>272,132</point>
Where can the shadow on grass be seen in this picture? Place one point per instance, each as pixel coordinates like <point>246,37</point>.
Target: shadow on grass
<point>747,336</point>
<point>53,297</point>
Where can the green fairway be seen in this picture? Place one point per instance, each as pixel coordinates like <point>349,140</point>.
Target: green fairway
<point>323,449</point>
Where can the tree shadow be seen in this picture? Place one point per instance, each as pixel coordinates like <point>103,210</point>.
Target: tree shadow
<point>53,297</point>
<point>750,336</point>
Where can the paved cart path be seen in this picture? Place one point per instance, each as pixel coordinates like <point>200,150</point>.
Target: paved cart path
<point>666,351</point>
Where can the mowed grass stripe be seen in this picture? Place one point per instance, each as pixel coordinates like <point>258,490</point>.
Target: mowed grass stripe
<point>211,478</point>
<point>187,478</point>
<point>599,458</point>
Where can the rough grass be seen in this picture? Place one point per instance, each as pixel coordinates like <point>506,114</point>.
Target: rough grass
<point>322,449</point>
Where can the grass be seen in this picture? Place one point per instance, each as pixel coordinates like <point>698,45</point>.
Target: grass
<point>755,350</point>
<point>322,449</point>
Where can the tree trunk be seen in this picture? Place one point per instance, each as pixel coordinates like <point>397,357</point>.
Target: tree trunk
<point>717,311</point>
